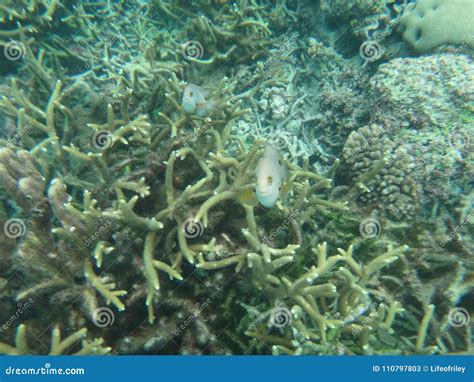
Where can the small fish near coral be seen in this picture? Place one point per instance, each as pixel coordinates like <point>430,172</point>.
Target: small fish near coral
<point>195,100</point>
<point>272,173</point>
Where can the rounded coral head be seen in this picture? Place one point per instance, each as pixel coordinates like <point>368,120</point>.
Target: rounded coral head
<point>431,23</point>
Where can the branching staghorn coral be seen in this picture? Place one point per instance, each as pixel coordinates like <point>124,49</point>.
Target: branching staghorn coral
<point>235,177</point>
<point>238,22</point>
<point>225,179</point>
<point>76,224</point>
<point>58,346</point>
<point>323,309</point>
<point>25,16</point>
<point>223,106</point>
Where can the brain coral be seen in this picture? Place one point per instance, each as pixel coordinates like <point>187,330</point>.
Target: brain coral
<point>431,23</point>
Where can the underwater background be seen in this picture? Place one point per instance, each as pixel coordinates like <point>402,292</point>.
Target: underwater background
<point>236,177</point>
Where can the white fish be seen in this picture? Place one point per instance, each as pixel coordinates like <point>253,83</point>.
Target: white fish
<point>271,176</point>
<point>195,100</point>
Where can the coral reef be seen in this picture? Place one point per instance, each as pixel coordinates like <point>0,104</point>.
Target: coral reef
<point>425,92</point>
<point>25,17</point>
<point>58,346</point>
<point>129,168</point>
<point>330,306</point>
<point>393,187</point>
<point>428,24</point>
<point>426,106</point>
